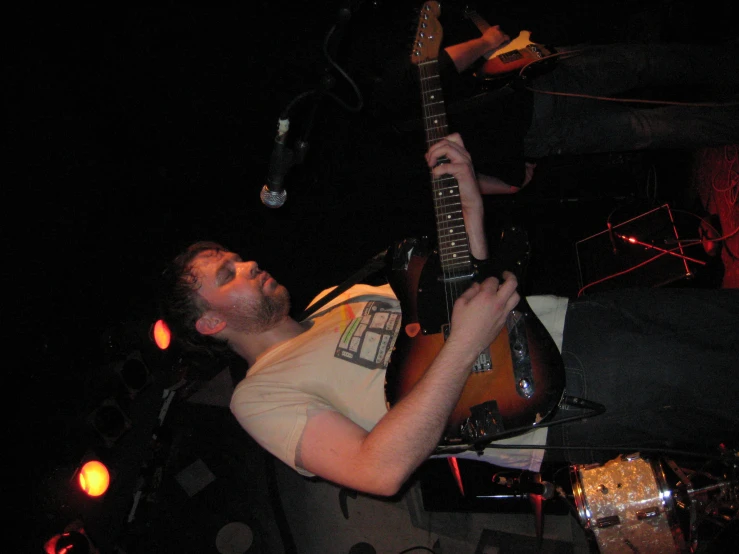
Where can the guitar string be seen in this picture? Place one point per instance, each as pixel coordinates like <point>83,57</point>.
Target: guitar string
<point>450,204</point>
<point>430,78</point>
<point>447,205</point>
<point>427,75</point>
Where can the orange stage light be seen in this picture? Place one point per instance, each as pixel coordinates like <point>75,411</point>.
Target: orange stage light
<point>94,478</point>
<point>161,334</point>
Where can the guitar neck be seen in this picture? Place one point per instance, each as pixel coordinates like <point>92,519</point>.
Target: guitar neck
<point>479,22</point>
<point>481,25</point>
<point>453,244</point>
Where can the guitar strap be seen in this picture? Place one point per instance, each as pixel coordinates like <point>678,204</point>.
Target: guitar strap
<point>376,263</point>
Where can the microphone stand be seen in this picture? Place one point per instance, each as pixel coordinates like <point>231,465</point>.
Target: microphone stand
<point>326,83</point>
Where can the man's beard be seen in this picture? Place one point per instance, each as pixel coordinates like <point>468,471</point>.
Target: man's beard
<point>257,318</point>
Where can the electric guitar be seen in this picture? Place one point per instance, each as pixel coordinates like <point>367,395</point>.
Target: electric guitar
<point>507,61</point>
<point>517,381</point>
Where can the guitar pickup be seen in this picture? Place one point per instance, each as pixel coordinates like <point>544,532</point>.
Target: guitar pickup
<point>484,360</point>
<point>455,278</point>
<point>512,56</point>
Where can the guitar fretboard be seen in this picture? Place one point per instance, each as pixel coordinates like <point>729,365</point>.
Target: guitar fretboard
<point>454,250</point>
<point>479,22</point>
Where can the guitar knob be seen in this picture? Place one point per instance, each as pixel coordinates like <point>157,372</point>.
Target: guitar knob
<point>524,386</point>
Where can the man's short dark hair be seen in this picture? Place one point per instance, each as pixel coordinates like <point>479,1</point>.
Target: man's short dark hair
<point>180,303</point>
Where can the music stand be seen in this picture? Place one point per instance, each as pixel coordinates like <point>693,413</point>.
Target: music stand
<point>644,251</point>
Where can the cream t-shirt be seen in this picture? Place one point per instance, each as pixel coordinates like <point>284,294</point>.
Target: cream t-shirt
<point>339,364</point>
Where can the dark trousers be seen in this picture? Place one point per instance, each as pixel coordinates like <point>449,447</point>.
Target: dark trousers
<point>572,125</point>
<point>664,362</point>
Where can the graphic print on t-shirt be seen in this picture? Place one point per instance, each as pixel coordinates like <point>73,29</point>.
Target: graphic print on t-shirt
<point>368,339</point>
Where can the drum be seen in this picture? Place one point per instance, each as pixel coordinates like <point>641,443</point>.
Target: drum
<point>627,505</point>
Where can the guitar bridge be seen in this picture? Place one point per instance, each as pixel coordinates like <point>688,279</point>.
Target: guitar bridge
<point>484,360</point>
<point>534,49</point>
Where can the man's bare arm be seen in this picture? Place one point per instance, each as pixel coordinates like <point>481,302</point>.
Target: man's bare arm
<point>379,462</point>
<point>465,54</point>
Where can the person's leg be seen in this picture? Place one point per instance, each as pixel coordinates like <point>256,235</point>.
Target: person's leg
<point>573,125</point>
<point>592,126</point>
<point>616,68</point>
<point>664,362</point>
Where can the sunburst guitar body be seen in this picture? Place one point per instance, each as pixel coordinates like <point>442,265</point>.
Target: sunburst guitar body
<point>518,381</point>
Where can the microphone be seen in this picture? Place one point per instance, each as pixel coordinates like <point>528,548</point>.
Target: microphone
<point>273,193</point>
<point>545,489</point>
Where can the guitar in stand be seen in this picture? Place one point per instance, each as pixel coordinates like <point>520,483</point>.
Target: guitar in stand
<point>518,381</point>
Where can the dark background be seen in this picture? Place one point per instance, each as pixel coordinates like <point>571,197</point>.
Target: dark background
<point>134,131</point>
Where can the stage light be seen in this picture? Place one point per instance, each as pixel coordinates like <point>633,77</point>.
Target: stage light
<point>109,420</point>
<point>71,543</point>
<point>133,373</point>
<point>73,540</point>
<point>161,334</point>
<point>94,478</point>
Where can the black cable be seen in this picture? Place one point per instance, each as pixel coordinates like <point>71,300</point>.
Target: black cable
<point>612,448</point>
<point>286,112</point>
<point>323,90</point>
<point>360,101</point>
<point>593,409</point>
<point>672,451</point>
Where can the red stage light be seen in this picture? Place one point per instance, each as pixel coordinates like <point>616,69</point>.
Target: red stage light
<point>161,334</point>
<point>94,478</point>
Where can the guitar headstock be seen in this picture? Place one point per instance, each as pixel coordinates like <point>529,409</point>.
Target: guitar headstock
<point>428,35</point>
<point>469,11</point>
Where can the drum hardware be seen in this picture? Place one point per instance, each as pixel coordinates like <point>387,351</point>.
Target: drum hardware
<point>527,483</point>
<point>634,504</point>
<point>709,500</point>
<point>530,484</point>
